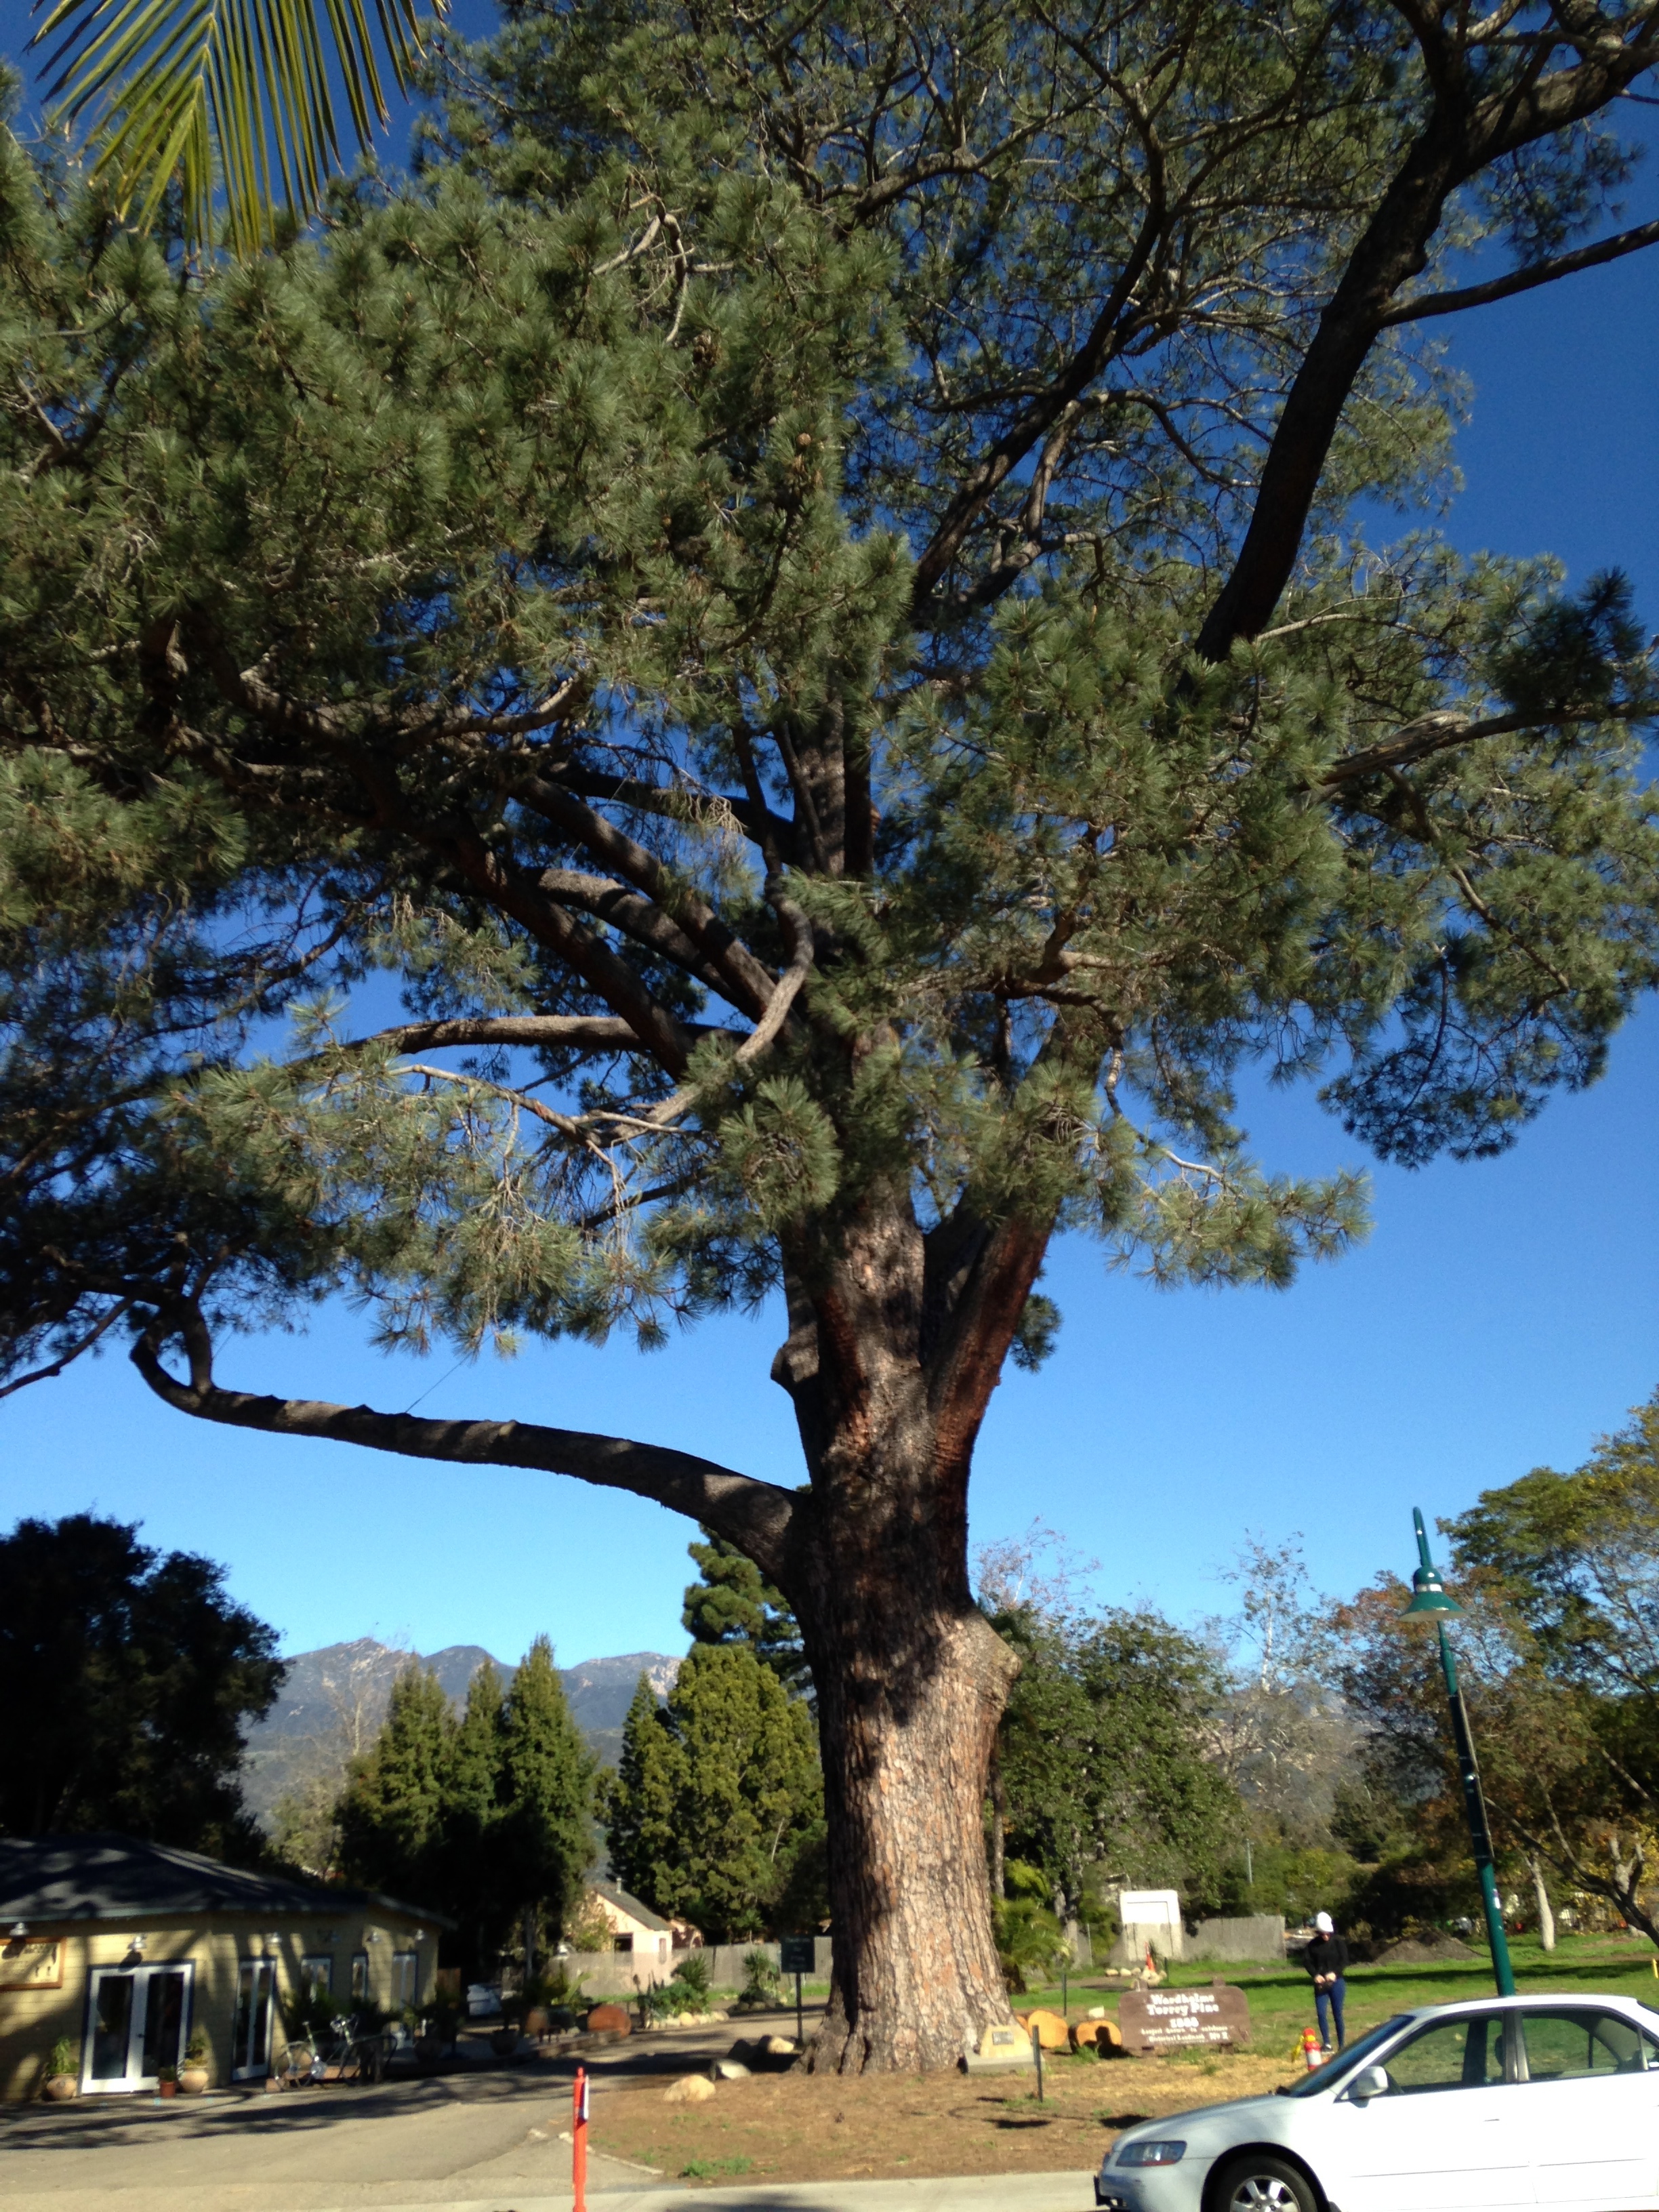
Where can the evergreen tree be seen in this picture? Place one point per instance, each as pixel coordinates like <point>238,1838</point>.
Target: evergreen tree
<point>733,1602</point>
<point>126,1678</point>
<point>484,1818</point>
<point>717,1794</point>
<point>641,1800</point>
<point>395,1805</point>
<point>805,591</point>
<point>474,1889</point>
<point>543,1836</point>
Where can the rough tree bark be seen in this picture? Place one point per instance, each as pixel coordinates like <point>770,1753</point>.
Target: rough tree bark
<point>911,1678</point>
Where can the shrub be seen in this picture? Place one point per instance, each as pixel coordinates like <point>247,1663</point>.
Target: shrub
<point>764,1984</point>
<point>557,1987</point>
<point>64,2058</point>
<point>1029,1942</point>
<point>695,1973</point>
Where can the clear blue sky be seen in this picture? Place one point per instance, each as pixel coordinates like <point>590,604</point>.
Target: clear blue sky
<point>1500,1317</point>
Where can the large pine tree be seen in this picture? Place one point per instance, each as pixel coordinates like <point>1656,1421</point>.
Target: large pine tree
<point>806,594</point>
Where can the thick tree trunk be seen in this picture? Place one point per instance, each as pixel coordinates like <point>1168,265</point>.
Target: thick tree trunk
<point>911,1678</point>
<point>907,1709</point>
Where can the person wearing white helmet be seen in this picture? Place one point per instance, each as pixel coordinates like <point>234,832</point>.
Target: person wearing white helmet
<point>1326,1960</point>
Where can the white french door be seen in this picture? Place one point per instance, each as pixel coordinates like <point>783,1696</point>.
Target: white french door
<point>250,2034</point>
<point>138,2018</point>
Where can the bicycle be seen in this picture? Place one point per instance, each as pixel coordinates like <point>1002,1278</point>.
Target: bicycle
<point>352,2052</point>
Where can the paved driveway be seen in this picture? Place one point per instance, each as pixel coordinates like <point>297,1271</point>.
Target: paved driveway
<point>486,2133</point>
<point>482,2139</point>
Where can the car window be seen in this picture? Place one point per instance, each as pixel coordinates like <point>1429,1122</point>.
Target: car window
<point>1465,2053</point>
<point>1574,2042</point>
<point>1335,2071</point>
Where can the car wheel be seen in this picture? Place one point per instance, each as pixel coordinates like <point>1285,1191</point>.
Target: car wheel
<point>1258,2183</point>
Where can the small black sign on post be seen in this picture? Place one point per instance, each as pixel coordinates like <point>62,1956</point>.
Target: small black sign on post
<point>797,1955</point>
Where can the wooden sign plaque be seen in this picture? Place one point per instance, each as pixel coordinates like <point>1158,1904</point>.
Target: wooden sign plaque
<point>1172,2020</point>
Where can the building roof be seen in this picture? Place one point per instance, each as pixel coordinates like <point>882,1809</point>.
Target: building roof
<point>630,1905</point>
<point>110,1877</point>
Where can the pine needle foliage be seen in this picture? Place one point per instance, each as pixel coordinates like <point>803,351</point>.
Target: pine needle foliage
<point>345,589</point>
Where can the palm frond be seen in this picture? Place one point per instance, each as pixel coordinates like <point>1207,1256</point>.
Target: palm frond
<point>237,93</point>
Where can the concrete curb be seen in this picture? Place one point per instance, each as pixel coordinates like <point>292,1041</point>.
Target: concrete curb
<point>977,2192</point>
<point>994,2192</point>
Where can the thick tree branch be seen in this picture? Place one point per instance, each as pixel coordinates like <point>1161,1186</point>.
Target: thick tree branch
<point>1445,731</point>
<point>548,1032</point>
<point>1524,280</point>
<point>756,1515</point>
<point>746,981</point>
<point>1462,135</point>
<point>640,918</point>
<point>714,810</point>
<point>518,892</point>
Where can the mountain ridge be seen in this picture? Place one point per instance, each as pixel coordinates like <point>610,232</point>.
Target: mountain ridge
<point>334,1698</point>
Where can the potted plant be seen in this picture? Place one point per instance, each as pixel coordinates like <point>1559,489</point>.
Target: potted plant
<point>562,1996</point>
<point>62,2079</point>
<point>166,2081</point>
<point>193,2075</point>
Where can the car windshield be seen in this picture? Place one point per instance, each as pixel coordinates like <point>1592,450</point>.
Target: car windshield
<point>1337,2070</point>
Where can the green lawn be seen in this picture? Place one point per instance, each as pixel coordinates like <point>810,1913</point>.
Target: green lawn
<point>1281,1997</point>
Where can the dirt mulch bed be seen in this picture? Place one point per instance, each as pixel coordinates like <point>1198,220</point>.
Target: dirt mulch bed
<point>801,2127</point>
<point>1422,1951</point>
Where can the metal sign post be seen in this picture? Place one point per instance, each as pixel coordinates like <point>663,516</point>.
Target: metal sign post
<point>797,1955</point>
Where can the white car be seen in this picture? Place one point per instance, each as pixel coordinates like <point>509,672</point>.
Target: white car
<point>1493,2106</point>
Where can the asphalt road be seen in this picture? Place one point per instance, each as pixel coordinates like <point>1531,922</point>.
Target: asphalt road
<point>484,2138</point>
<point>486,2135</point>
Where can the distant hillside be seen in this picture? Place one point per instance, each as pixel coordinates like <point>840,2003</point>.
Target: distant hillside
<point>335,1699</point>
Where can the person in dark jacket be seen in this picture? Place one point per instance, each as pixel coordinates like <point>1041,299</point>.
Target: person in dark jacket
<point>1326,1960</point>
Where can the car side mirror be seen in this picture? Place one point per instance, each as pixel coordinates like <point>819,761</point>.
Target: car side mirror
<point>1369,2081</point>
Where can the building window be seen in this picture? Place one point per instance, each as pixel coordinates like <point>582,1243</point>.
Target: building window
<point>360,1978</point>
<point>406,1978</point>
<point>621,1943</point>
<point>317,1974</point>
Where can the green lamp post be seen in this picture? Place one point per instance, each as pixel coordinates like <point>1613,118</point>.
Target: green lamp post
<point>1428,1595</point>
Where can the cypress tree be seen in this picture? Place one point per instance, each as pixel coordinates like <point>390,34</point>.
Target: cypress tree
<point>393,1812</point>
<point>474,1884</point>
<point>744,1792</point>
<point>642,1803</point>
<point>733,1602</point>
<point>542,1838</point>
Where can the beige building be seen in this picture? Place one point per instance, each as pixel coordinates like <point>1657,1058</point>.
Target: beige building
<point>123,1948</point>
<point>634,1926</point>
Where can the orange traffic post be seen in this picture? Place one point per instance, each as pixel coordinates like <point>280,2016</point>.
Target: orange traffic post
<point>579,2143</point>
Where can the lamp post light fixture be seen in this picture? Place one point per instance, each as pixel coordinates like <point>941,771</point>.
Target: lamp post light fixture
<point>1428,1595</point>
